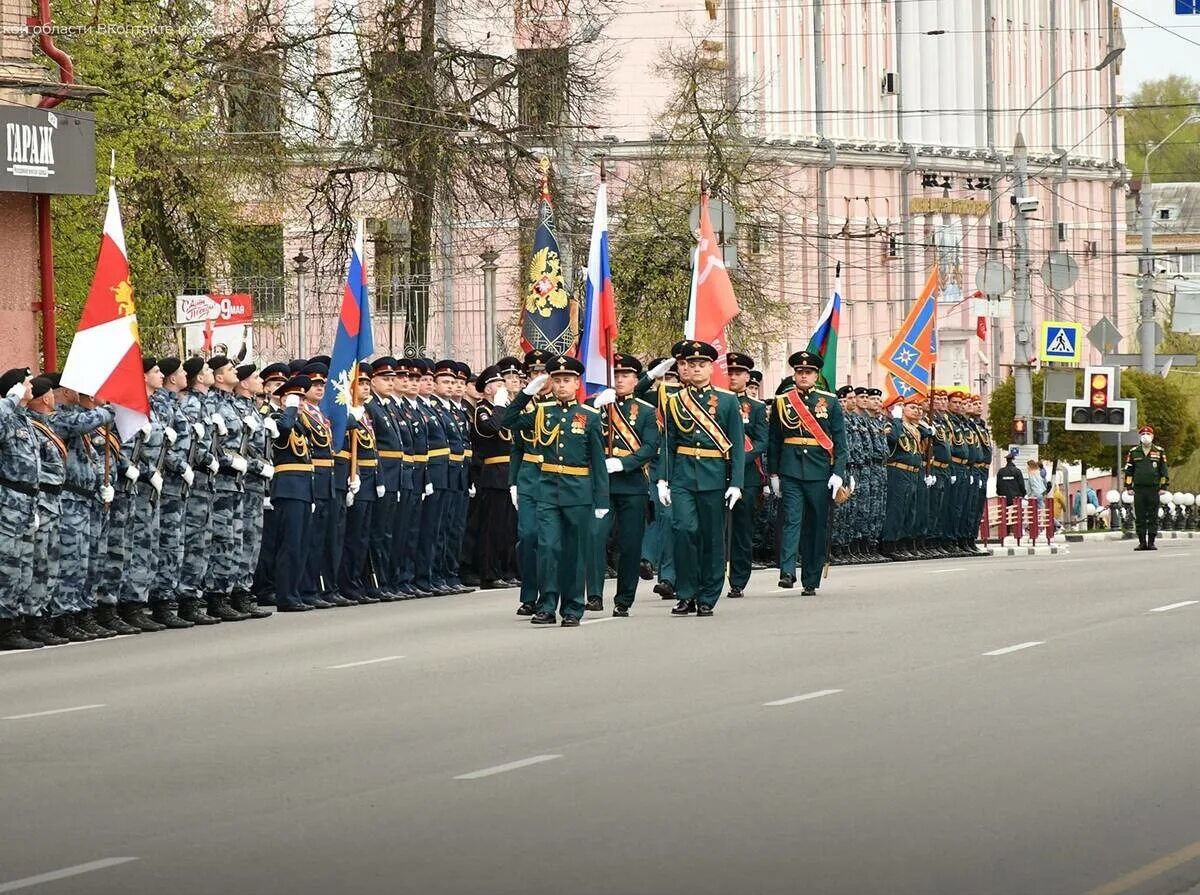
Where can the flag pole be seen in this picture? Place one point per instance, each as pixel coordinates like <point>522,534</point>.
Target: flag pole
<point>608,356</point>
<point>112,180</point>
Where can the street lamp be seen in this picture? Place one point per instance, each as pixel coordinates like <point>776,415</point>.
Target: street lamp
<point>301,268</point>
<point>489,257</point>
<point>1025,206</point>
<point>1147,265</point>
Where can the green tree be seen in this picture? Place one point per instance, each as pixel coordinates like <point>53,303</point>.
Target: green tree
<point>1155,109</point>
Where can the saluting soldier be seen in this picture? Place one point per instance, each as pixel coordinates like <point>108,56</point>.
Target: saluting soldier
<point>741,517</point>
<point>274,376</point>
<point>1146,473</point>
<point>700,475</point>
<point>292,496</point>
<point>807,463</point>
<point>20,466</point>
<point>658,543</point>
<point>630,434</point>
<point>318,587</point>
<point>524,473</point>
<point>493,520</point>
<point>354,574</point>
<point>573,488</point>
<point>41,607</point>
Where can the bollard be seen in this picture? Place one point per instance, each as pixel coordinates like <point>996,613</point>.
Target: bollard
<point>1033,520</point>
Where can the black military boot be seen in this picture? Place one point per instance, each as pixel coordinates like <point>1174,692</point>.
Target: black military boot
<point>243,601</point>
<point>38,628</point>
<point>164,613</point>
<point>192,610</point>
<point>1150,540</point>
<point>665,589</point>
<point>107,617</point>
<point>219,608</point>
<point>64,626</point>
<point>134,614</point>
<point>13,638</point>
<point>86,620</point>
<point>594,604</point>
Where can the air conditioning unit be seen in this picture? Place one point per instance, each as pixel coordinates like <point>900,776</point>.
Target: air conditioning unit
<point>889,85</point>
<point>999,231</point>
<point>1091,248</point>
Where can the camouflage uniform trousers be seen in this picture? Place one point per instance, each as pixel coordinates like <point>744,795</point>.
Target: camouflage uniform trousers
<point>197,524</point>
<point>141,538</point>
<point>76,531</point>
<point>110,571</point>
<point>225,555</point>
<point>16,550</point>
<point>172,506</point>
<point>98,517</point>
<point>252,535</point>
<point>42,597</point>
<point>878,477</point>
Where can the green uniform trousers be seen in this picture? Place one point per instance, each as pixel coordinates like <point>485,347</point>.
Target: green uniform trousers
<point>937,505</point>
<point>901,504</point>
<point>919,519</point>
<point>698,521</point>
<point>562,534</point>
<point>1145,508</point>
<point>527,547</point>
<point>629,513</point>
<point>956,501</point>
<point>741,539</point>
<point>658,544</point>
<point>805,507</point>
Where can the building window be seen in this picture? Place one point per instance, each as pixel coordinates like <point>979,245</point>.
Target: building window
<point>542,87</point>
<point>253,102</point>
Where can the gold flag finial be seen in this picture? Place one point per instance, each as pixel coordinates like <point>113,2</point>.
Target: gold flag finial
<point>545,164</point>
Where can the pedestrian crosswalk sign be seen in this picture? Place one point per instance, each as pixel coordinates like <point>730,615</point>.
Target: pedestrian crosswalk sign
<point>1061,343</point>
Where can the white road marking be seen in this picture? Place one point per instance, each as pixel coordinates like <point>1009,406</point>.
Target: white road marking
<point>75,708</point>
<point>1171,606</point>
<point>816,694</point>
<point>363,662</point>
<point>62,874</point>
<point>943,571</point>
<point>511,766</point>
<point>1013,649</point>
<point>596,621</point>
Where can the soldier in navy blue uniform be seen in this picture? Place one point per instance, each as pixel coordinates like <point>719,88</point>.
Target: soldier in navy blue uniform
<point>430,576</point>
<point>354,581</point>
<point>492,520</point>
<point>291,495</point>
<point>274,377</point>
<point>318,580</point>
<point>462,490</point>
<point>412,479</point>
<point>389,447</point>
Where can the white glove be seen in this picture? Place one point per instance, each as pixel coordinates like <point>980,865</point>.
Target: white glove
<point>897,412</point>
<point>37,520</point>
<point>214,466</point>
<point>17,392</point>
<point>502,398</point>
<point>271,426</point>
<point>600,514</point>
<point>536,383</point>
<point>349,498</point>
<point>198,428</point>
<point>267,505</point>
<point>471,491</point>
<point>219,422</point>
<point>354,484</point>
<point>251,421</point>
<point>380,490</point>
<point>292,400</point>
<point>661,369</point>
<point>107,493</point>
<point>512,493</point>
<point>953,479</point>
<point>982,484</point>
<point>835,482</point>
<point>146,429</point>
<point>852,485</point>
<point>357,411</point>
<point>239,464</point>
<point>606,397</point>
<point>930,480</point>
<point>664,494</point>
<point>766,490</point>
<point>156,481</point>
<point>732,496</point>
<point>170,434</point>
<point>188,475</point>
<point>267,471</point>
<point>776,489</point>
<point>132,473</point>
<point>613,464</point>
<point>428,488</point>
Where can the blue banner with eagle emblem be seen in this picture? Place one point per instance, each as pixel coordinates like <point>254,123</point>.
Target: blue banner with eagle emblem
<point>546,319</point>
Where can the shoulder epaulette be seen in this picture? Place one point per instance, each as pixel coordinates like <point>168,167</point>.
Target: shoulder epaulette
<point>647,403</point>
<point>822,392</point>
<point>754,400</point>
<point>589,407</point>
<point>725,391</point>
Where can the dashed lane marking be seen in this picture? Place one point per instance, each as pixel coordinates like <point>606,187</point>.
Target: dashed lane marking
<point>1012,649</point>
<point>74,708</point>
<point>65,872</point>
<point>504,768</point>
<point>803,697</point>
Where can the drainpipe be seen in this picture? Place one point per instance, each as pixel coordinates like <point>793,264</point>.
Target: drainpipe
<point>66,74</point>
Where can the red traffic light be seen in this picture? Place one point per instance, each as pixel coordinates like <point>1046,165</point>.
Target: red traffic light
<point>1098,390</point>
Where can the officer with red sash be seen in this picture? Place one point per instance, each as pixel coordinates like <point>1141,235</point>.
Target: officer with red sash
<point>806,459</point>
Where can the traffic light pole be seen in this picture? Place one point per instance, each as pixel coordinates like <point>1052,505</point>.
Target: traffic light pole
<point>1022,301</point>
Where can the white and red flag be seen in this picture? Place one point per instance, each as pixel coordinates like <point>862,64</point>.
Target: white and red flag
<point>713,304</point>
<point>105,360</point>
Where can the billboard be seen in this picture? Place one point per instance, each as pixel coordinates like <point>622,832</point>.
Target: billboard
<point>47,151</point>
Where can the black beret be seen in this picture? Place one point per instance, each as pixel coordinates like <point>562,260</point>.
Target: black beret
<point>216,363</point>
<point>626,363</point>
<point>564,364</point>
<point>736,361</point>
<point>169,365</point>
<point>245,371</point>
<point>691,349</point>
<point>11,378</point>
<point>39,386</point>
<point>862,391</point>
<point>486,376</point>
<point>875,393</point>
<point>193,365</point>
<point>805,360</point>
<point>508,365</point>
<point>845,391</point>
<point>55,377</point>
<point>148,363</point>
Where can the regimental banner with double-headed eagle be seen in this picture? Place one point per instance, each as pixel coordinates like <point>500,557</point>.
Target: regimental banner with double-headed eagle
<point>546,320</point>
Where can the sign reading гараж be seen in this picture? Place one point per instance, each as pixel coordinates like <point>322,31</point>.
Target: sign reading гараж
<point>47,151</point>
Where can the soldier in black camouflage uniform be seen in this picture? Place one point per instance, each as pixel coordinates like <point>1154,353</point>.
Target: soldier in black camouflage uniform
<point>846,514</point>
<point>256,484</point>
<point>177,478</point>
<point>20,469</point>
<point>41,608</point>
<point>198,408</point>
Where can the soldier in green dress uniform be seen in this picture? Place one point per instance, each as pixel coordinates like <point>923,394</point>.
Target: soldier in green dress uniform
<point>658,543</point>
<point>741,517</point>
<point>572,488</point>
<point>700,473</point>
<point>1146,474</point>
<point>523,477</point>
<point>806,458</point>
<point>630,434</point>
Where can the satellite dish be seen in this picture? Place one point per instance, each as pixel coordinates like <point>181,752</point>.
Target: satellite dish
<point>994,278</point>
<point>722,215</point>
<point>1060,271</point>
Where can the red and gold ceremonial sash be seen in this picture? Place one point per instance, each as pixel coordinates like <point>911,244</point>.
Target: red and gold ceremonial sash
<point>621,426</point>
<point>704,421</point>
<point>810,422</point>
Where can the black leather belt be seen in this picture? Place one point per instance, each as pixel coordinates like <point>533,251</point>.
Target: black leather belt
<point>20,487</point>
<point>82,492</point>
<point>52,489</point>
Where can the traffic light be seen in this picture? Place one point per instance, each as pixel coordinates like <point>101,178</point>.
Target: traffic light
<point>1020,434</point>
<point>1099,410</point>
<point>1041,431</point>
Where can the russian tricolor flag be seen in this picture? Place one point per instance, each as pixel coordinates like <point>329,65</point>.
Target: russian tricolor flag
<point>600,311</point>
<point>354,342</point>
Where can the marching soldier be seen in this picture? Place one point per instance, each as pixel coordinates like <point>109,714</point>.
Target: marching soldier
<point>630,434</point>
<point>523,477</point>
<point>493,519</point>
<point>700,475</point>
<point>1147,475</point>
<point>741,517</point>
<point>354,582</point>
<point>658,543</point>
<point>573,488</point>
<point>807,463</point>
<point>291,496</point>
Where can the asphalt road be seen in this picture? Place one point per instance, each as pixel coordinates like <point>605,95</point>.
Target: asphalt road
<point>960,727</point>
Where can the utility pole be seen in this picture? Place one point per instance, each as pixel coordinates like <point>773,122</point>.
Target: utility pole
<point>1022,300</point>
